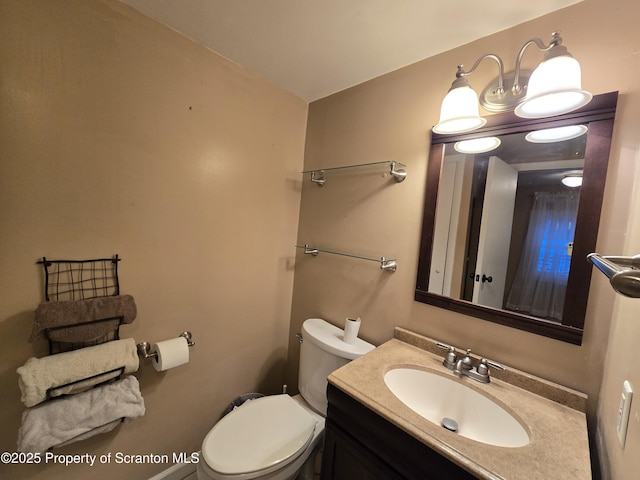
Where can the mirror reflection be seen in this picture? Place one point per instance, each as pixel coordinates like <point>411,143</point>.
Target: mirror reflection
<point>505,221</point>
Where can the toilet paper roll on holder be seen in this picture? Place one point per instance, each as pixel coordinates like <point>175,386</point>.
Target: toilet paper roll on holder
<point>144,347</point>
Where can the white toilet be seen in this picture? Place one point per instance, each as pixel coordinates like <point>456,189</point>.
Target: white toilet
<point>272,437</point>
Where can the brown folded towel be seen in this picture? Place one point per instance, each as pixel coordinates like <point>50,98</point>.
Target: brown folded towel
<point>52,315</point>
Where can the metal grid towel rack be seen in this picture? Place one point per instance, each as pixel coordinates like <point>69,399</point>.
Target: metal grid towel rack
<point>81,280</point>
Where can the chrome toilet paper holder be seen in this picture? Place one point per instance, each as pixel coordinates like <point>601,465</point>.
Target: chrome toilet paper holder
<point>144,347</point>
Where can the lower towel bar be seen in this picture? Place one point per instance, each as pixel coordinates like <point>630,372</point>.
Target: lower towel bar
<point>386,264</point>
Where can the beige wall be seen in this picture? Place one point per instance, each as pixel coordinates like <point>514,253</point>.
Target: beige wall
<point>623,354</point>
<point>390,118</point>
<point>118,135</point>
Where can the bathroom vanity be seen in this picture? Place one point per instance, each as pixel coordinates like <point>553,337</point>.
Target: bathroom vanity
<point>361,444</point>
<point>372,434</point>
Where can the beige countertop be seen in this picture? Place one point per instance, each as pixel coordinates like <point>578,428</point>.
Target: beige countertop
<point>559,446</point>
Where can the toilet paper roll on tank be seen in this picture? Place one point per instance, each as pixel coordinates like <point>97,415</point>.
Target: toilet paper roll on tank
<point>170,353</point>
<point>351,329</point>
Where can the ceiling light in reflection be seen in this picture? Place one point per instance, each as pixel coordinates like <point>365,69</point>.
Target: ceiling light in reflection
<point>572,181</point>
<point>477,145</point>
<point>557,134</point>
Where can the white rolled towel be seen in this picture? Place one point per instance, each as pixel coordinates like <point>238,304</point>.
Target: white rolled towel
<point>67,420</point>
<point>38,375</point>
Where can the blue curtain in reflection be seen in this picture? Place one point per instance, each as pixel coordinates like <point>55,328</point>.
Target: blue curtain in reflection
<point>540,282</point>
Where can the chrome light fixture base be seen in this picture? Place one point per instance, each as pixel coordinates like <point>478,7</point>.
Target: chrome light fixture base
<point>496,101</point>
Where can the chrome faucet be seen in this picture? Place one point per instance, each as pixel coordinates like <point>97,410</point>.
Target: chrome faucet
<point>464,367</point>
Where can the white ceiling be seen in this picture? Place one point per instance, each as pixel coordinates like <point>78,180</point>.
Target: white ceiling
<point>314,48</point>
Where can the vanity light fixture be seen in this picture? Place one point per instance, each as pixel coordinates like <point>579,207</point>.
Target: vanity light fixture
<point>572,180</point>
<point>558,134</point>
<point>554,88</point>
<point>477,145</point>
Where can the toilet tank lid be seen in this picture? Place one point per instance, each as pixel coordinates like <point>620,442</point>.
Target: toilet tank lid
<point>330,338</point>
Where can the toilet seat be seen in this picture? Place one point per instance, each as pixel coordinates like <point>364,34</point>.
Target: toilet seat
<point>259,437</point>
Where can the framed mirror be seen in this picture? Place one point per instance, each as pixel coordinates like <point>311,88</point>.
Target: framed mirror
<point>503,238</point>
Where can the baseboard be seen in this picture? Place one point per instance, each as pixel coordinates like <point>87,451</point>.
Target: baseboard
<point>178,471</point>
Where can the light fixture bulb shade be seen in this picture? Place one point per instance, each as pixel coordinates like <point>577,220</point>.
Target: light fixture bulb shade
<point>459,112</point>
<point>555,88</point>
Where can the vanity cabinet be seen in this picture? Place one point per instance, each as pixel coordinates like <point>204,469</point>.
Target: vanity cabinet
<point>361,445</point>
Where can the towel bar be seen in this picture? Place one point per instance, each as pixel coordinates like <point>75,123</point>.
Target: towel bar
<point>144,347</point>
<point>386,264</point>
<point>623,272</point>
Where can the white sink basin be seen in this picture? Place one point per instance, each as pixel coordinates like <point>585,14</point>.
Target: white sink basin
<point>436,398</point>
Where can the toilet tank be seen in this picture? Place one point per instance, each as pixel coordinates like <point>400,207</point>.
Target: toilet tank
<point>323,351</point>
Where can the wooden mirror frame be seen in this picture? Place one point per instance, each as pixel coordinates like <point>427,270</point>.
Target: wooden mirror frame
<point>599,114</point>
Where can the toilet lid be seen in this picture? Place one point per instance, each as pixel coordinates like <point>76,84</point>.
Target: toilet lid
<point>259,435</point>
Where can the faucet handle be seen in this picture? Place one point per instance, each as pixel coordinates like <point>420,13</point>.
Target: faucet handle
<point>451,357</point>
<point>483,366</point>
<point>444,346</point>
